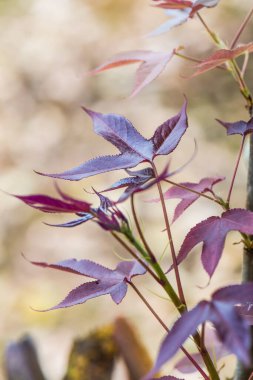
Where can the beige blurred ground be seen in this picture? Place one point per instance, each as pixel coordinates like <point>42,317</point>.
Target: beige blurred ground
<point>46,49</point>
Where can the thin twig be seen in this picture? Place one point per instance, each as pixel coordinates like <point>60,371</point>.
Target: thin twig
<point>173,253</point>
<point>235,170</point>
<point>143,239</point>
<point>241,29</point>
<point>196,365</point>
<point>132,253</point>
<point>209,31</point>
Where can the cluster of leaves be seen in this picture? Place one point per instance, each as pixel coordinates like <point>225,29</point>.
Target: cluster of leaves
<point>229,309</point>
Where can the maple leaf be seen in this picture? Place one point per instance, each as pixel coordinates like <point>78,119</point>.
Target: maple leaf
<point>179,12</point>
<point>221,56</point>
<point>238,128</point>
<point>45,203</point>
<point>212,232</point>
<point>212,344</point>
<point>107,215</point>
<point>187,197</point>
<point>108,281</point>
<point>133,147</point>
<point>232,329</point>
<point>151,65</point>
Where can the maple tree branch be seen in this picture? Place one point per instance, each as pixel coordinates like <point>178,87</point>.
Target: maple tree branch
<point>241,29</point>
<point>235,170</point>
<point>192,191</point>
<point>144,241</point>
<point>173,253</point>
<point>196,365</point>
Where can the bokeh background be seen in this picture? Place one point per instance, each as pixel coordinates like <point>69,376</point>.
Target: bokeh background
<point>47,48</point>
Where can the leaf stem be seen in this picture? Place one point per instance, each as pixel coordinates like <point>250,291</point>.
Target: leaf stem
<point>235,170</point>
<point>196,365</point>
<point>241,29</point>
<point>213,35</point>
<point>173,253</point>
<point>195,60</point>
<point>143,239</point>
<point>192,191</point>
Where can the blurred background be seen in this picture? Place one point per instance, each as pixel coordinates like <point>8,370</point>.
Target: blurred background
<point>47,48</point>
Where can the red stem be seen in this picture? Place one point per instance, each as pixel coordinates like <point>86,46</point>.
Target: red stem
<point>241,29</point>
<point>173,253</point>
<point>235,171</point>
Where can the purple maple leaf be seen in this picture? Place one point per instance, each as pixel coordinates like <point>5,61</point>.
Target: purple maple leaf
<point>45,203</point>
<point>212,232</point>
<point>133,147</point>
<point>238,128</point>
<point>232,329</point>
<point>108,281</point>
<point>107,215</point>
<point>187,197</point>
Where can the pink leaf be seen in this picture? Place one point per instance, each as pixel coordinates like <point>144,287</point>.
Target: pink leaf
<point>221,56</point>
<point>151,65</point>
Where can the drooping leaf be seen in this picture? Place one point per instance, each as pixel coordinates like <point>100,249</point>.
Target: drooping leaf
<point>213,345</point>
<point>232,329</point>
<point>73,223</point>
<point>187,197</point>
<point>151,65</point>
<point>133,146</point>
<point>212,232</point>
<point>238,128</point>
<point>221,56</point>
<point>113,282</point>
